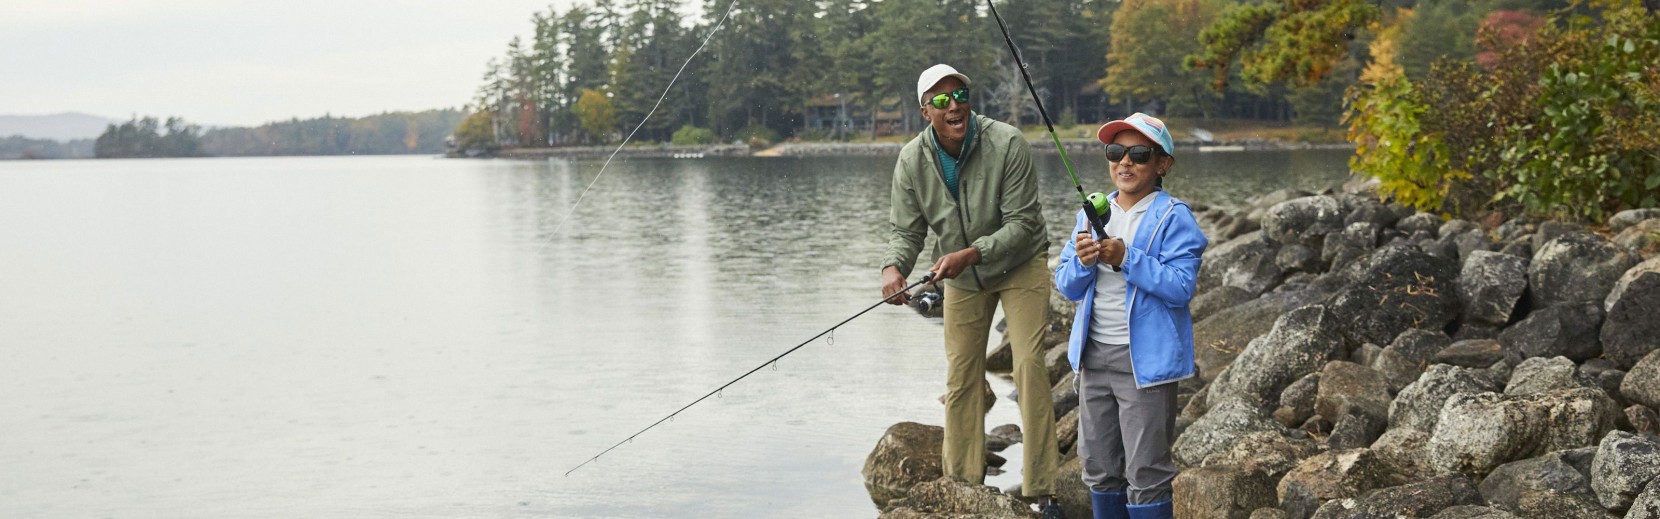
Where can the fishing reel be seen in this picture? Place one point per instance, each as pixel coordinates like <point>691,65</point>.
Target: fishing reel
<point>1099,200</point>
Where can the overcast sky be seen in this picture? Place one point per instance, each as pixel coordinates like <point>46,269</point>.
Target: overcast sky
<point>218,62</point>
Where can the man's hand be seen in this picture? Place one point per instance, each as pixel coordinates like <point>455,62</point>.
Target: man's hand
<point>894,283</point>
<point>953,264</point>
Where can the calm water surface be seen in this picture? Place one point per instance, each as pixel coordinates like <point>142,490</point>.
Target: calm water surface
<point>406,336</point>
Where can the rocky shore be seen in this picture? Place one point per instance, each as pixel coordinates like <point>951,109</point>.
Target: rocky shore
<point>824,149</point>
<point>1361,360</point>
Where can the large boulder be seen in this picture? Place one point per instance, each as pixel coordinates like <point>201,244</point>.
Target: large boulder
<point>1471,353</point>
<point>1643,238</point>
<point>1297,400</point>
<point>1218,339</point>
<point>1218,299</point>
<point>1545,486</point>
<point>1354,241</point>
<point>1246,262</point>
<point>1647,504</point>
<point>1404,450</point>
<point>1576,267</point>
<point>907,454</point>
<point>949,498</point>
<point>1305,220</point>
<point>1630,330</point>
<point>1221,492</point>
<point>1333,475</point>
<point>1472,512</point>
<point>1542,375</point>
<point>1642,384</point>
<point>1567,330</point>
<point>1426,223</point>
<point>1404,359</point>
<point>1419,405</point>
<point>1400,288</point>
<point>1348,389</point>
<point>1489,285</point>
<point>1301,342</point>
<point>1624,464</point>
<point>1267,452</point>
<point>1478,432</point>
<point>1218,430</point>
<point>1418,499</point>
<point>1629,217</point>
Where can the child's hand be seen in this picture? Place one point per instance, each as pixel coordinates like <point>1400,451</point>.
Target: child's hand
<point>1088,249</point>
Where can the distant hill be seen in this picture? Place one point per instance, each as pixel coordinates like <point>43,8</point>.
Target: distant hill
<point>59,127</point>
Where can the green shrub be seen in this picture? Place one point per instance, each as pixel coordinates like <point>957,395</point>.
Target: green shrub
<point>689,135</point>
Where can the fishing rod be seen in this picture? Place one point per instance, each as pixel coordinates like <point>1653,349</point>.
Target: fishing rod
<point>1095,204</point>
<point>925,279</point>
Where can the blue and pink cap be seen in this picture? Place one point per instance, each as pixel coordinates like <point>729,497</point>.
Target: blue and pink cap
<point>1148,125</point>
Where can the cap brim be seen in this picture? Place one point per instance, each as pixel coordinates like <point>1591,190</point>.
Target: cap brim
<point>1110,130</point>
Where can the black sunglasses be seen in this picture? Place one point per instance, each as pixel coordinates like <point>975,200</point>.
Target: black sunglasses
<point>1139,154</point>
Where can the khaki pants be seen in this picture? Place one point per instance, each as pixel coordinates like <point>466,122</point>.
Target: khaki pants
<point>968,315</point>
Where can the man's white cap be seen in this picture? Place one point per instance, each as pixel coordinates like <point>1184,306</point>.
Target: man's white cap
<point>933,76</point>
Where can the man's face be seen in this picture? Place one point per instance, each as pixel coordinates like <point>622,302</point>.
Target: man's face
<point>951,122</point>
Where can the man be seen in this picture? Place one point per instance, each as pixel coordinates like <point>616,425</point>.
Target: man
<point>969,179</point>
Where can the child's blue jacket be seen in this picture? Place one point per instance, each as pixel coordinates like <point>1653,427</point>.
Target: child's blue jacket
<point>1162,269</point>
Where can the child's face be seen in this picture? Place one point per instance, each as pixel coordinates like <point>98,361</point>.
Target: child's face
<point>1134,179</point>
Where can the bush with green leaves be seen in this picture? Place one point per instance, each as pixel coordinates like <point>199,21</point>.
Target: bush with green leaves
<point>1565,123</point>
<point>689,135</point>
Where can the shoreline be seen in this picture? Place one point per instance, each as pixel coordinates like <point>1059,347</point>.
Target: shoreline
<point>819,149</point>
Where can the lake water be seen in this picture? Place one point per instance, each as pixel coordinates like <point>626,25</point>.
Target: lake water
<point>409,336</point>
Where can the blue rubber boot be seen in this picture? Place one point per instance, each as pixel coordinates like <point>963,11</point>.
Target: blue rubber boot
<point>1108,505</point>
<point>1153,511</point>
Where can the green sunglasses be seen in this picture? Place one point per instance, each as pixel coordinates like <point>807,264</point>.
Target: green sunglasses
<point>944,100</point>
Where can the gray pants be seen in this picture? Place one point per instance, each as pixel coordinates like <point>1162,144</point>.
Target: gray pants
<point>1124,433</point>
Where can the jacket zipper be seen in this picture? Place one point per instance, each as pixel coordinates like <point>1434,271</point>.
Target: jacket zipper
<point>962,192</point>
<point>1130,305</point>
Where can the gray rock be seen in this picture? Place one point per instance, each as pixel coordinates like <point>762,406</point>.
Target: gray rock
<point>987,395</point>
<point>908,454</point>
<point>1347,388</point>
<point>1001,358</point>
<point>1066,431</point>
<point>1221,298</point>
<point>1367,208</point>
<point>1297,400</point>
<point>1405,358</point>
<point>1192,410</point>
<point>1642,384</point>
<point>1629,217</point>
<point>1643,238</point>
<point>1625,463</point>
<point>1521,248</point>
<point>1404,451</point>
<point>1647,504</point>
<point>1246,262</point>
<point>1469,242</point>
<point>1515,228</point>
<point>1540,375</point>
<point>1642,419</point>
<point>1366,355</point>
<point>1218,430</point>
<point>1070,489</point>
<point>949,497</point>
<point>1416,499</point>
<point>1259,206</point>
<point>1567,330</point>
<point>1489,285</point>
<point>1269,513</point>
<point>1478,432</point>
<point>1221,491</point>
<point>1296,257</point>
<point>1472,512</point>
<point>1544,486</point>
<point>1304,220</point>
<point>1469,331</point>
<point>1631,330</point>
<point>1333,475</point>
<point>1401,288</point>
<point>1418,406</point>
<point>1003,435</point>
<point>1353,431</point>
<point>1064,396</point>
<point>1471,353</point>
<point>1420,222</point>
<point>1551,229</point>
<point>1355,240</point>
<point>1576,267</point>
<point>1055,360</point>
<point>1220,338</point>
<point>1267,452</point>
<point>1301,342</point>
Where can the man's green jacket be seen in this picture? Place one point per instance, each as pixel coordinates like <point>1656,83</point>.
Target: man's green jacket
<point>997,212</point>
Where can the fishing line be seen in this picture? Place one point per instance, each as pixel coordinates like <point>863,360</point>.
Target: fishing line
<point>716,393</point>
<point>642,124</point>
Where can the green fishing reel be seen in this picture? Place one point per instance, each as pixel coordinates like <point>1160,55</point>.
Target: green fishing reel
<point>1099,200</point>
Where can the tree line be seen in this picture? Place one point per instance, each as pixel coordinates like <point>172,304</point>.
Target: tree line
<point>383,134</point>
<point>1457,106</point>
